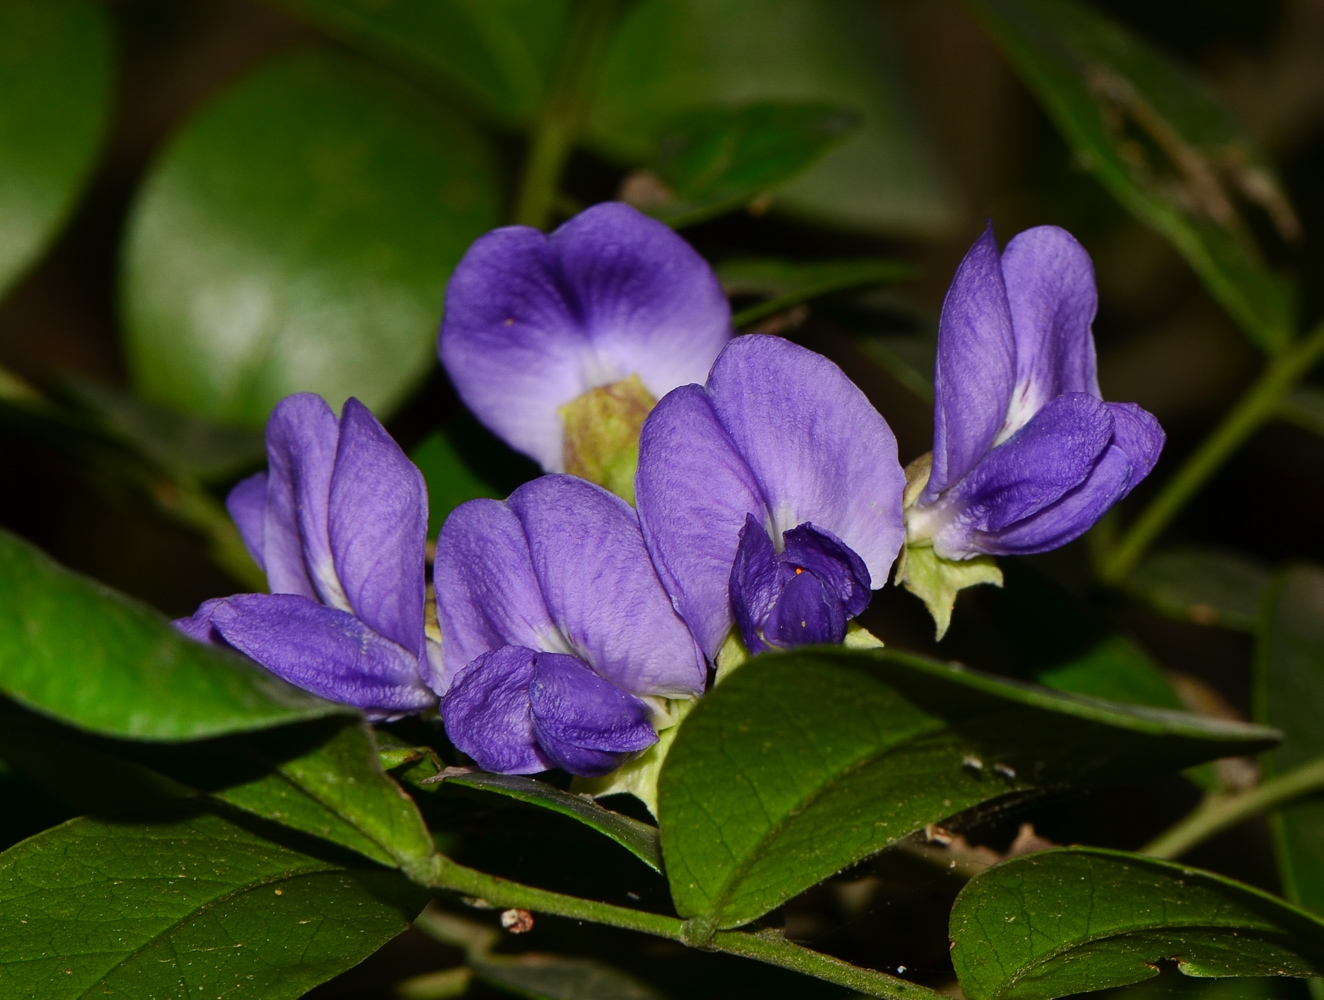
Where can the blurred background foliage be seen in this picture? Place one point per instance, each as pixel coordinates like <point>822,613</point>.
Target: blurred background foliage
<point>208,204</point>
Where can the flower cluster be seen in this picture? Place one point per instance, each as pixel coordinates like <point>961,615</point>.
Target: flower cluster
<point>704,492</point>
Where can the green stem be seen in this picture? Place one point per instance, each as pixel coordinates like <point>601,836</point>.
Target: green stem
<point>1256,407</point>
<point>1218,812</point>
<point>769,947</point>
<point>559,120</point>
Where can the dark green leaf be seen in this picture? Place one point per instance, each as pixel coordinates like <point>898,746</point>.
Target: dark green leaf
<point>498,54</point>
<point>1115,669</point>
<point>297,235</point>
<point>98,660</point>
<point>800,764</point>
<point>1160,142</point>
<point>715,160</point>
<point>638,838</point>
<point>1289,690</point>
<point>450,479</point>
<point>55,89</point>
<point>1078,919</point>
<point>183,445</point>
<point>551,977</point>
<point>196,906</point>
<point>671,57</point>
<point>786,283</point>
<point>1204,585</point>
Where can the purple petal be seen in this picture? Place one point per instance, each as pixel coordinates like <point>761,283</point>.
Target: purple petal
<point>1068,518</point>
<point>649,303</point>
<point>818,449</point>
<point>301,453</point>
<point>487,715</point>
<point>378,528</point>
<point>975,370</point>
<point>693,492</point>
<point>1042,462</point>
<point>512,341</point>
<point>584,723</point>
<point>1050,288</point>
<point>806,613</point>
<point>199,625</point>
<point>827,557</point>
<point>323,650</point>
<point>532,321</point>
<point>247,505</point>
<point>1137,432</point>
<point>756,582</point>
<point>487,593</point>
<point>601,589</point>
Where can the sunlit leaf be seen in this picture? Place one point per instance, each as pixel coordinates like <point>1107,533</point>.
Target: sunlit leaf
<point>195,906</point>
<point>672,57</point>
<point>1162,144</point>
<point>1204,585</point>
<point>74,649</point>
<point>498,54</point>
<point>297,235</point>
<point>1078,919</point>
<point>799,764</point>
<point>55,103</point>
<point>1289,694</point>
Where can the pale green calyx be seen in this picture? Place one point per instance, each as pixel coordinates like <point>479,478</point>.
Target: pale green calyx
<point>602,434</point>
<point>934,580</point>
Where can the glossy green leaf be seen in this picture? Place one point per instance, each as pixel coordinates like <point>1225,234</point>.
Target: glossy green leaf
<point>800,764</point>
<point>338,791</point>
<point>718,159</point>
<point>1204,585</point>
<point>498,54</point>
<point>183,445</point>
<point>55,103</point>
<point>449,478</point>
<point>1161,143</point>
<point>672,57</point>
<point>785,283</point>
<point>1078,919</point>
<point>551,977</point>
<point>74,649</point>
<point>195,906</point>
<point>297,235</point>
<point>638,838</point>
<point>1289,693</point>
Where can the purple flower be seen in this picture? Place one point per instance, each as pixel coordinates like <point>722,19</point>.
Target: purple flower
<point>769,497</point>
<point>533,322</point>
<point>1026,454</point>
<point>338,523</point>
<point>555,629</point>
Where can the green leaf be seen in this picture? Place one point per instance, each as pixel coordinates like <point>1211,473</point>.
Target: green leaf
<point>786,283</point>
<point>297,235</point>
<point>183,445</point>
<point>1289,693</point>
<point>1115,669</point>
<point>338,791</point>
<point>449,478</point>
<point>196,906</point>
<point>55,103</point>
<point>74,649</point>
<point>638,838</point>
<point>799,764</point>
<point>1207,586</point>
<point>551,977</point>
<point>672,57</point>
<point>1077,919</point>
<point>1161,143</point>
<point>498,54</point>
<point>715,160</point>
